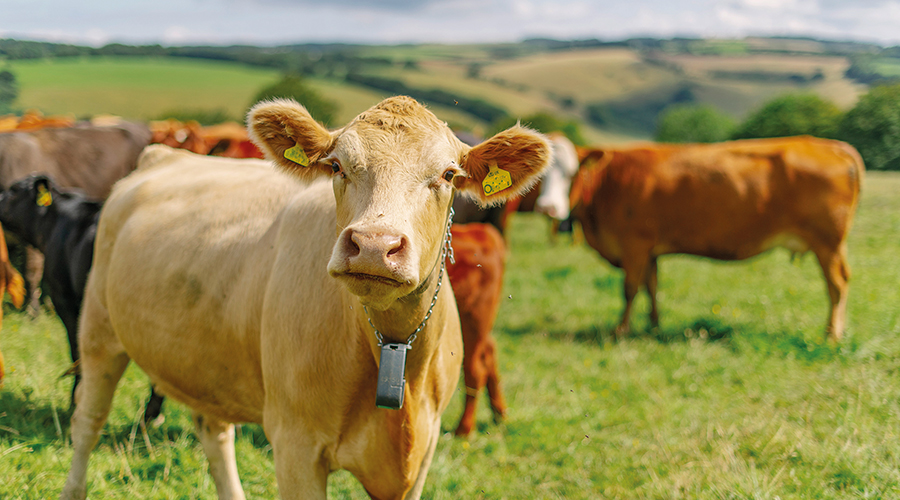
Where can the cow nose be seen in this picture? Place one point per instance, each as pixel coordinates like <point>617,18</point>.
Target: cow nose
<point>374,249</point>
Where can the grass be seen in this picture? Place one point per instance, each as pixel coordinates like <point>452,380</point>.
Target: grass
<point>735,396</point>
<point>136,88</point>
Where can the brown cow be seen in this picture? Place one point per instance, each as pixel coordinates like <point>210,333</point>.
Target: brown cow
<point>10,282</point>
<point>477,279</point>
<point>727,201</point>
<point>291,299</point>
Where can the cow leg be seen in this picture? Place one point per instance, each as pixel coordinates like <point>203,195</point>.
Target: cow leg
<point>416,492</point>
<point>300,469</point>
<point>651,281</point>
<point>217,438</point>
<point>34,271</point>
<point>837,277</point>
<point>498,403</point>
<point>474,371</point>
<point>154,405</point>
<point>103,360</point>
<point>635,264</point>
<point>68,312</point>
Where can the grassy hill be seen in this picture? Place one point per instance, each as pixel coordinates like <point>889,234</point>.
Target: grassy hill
<point>631,82</point>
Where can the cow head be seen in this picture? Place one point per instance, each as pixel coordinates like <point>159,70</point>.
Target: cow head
<point>586,182</point>
<point>25,204</point>
<point>554,198</point>
<point>394,170</point>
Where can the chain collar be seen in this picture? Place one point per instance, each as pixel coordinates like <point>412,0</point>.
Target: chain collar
<point>447,251</point>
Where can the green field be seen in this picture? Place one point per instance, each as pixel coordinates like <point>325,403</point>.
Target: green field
<point>735,396</point>
<point>136,88</point>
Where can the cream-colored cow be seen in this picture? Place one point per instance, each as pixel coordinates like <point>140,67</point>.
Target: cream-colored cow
<point>252,295</point>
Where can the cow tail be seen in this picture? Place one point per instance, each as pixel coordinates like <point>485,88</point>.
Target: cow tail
<point>856,173</point>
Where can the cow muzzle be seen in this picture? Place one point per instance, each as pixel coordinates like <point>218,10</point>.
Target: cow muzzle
<point>373,261</point>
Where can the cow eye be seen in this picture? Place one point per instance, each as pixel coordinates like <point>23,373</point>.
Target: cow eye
<point>449,175</point>
<point>335,166</point>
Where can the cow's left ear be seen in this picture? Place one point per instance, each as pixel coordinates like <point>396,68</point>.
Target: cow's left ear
<point>505,165</point>
<point>290,137</point>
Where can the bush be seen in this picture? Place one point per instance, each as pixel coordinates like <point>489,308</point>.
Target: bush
<point>9,91</point>
<point>693,123</point>
<point>873,127</point>
<point>292,86</point>
<point>792,114</point>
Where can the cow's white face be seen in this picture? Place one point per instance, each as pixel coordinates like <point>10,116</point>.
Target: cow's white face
<point>557,180</point>
<point>394,170</point>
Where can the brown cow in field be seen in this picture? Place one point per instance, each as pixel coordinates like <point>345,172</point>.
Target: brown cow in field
<point>477,279</point>
<point>10,282</point>
<point>291,298</point>
<point>727,201</point>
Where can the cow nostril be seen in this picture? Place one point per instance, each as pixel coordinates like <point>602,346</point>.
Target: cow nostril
<point>352,244</point>
<point>397,248</point>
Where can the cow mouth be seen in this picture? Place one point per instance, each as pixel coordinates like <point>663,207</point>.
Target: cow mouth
<point>374,278</point>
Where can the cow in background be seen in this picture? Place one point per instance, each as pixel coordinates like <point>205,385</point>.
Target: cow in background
<point>274,297</point>
<point>227,139</point>
<point>477,278</point>
<point>85,157</point>
<point>62,225</point>
<point>726,201</point>
<point>10,282</point>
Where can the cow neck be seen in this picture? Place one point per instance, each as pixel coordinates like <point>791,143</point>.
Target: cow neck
<point>446,251</point>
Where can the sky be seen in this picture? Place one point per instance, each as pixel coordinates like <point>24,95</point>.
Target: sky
<point>390,22</point>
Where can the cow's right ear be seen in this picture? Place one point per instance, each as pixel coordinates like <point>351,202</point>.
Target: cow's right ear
<point>506,165</point>
<point>290,137</point>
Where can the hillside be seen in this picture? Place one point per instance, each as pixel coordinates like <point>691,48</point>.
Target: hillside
<point>614,89</point>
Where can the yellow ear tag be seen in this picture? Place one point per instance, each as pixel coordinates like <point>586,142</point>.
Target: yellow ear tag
<point>297,155</point>
<point>497,180</point>
<point>44,198</point>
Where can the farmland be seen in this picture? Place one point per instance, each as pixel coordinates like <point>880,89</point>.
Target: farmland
<point>735,396</point>
<point>521,80</point>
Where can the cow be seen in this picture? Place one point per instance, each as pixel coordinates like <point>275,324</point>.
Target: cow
<point>726,201</point>
<point>62,225</point>
<point>476,273</point>
<point>306,298</point>
<point>10,282</point>
<point>85,157</point>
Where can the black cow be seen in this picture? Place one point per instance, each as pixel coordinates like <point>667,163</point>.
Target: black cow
<point>63,226</point>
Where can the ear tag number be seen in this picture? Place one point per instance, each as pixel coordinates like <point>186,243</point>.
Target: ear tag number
<point>44,198</point>
<point>391,376</point>
<point>496,180</point>
<point>297,155</point>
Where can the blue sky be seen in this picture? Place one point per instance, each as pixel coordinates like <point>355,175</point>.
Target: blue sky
<point>272,22</point>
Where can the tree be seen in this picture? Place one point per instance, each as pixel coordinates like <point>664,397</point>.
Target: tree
<point>792,114</point>
<point>693,123</point>
<point>873,127</point>
<point>292,86</point>
<point>9,90</point>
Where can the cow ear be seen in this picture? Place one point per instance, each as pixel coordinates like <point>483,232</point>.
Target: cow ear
<point>290,137</point>
<point>505,165</point>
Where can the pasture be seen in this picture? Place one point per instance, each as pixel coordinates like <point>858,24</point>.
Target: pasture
<point>735,396</point>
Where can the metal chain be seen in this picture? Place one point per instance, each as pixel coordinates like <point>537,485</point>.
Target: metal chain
<point>445,252</point>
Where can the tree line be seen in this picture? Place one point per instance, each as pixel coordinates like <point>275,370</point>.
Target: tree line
<point>872,126</point>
